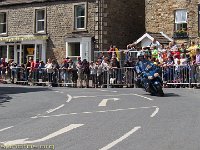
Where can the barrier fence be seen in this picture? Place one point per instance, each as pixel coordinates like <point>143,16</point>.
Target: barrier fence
<point>173,76</point>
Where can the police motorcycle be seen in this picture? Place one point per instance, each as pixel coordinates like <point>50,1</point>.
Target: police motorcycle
<point>148,76</point>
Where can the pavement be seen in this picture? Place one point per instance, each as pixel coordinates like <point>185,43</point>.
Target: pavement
<point>98,119</point>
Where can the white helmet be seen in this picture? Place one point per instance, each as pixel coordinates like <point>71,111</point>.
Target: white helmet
<point>140,54</point>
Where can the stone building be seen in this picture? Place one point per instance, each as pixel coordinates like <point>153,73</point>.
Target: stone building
<point>176,18</point>
<point>67,28</point>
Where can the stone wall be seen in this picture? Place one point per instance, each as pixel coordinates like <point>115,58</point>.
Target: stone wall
<point>125,21</point>
<point>160,15</point>
<point>59,23</point>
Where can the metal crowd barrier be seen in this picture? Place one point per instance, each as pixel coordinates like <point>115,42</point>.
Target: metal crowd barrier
<point>173,76</point>
<point>181,75</point>
<point>119,77</point>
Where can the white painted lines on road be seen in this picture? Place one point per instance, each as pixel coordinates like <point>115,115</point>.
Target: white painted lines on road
<point>50,136</point>
<point>57,108</point>
<point>131,94</point>
<point>56,91</point>
<point>76,97</point>
<point>120,139</point>
<point>103,111</point>
<point>69,98</point>
<point>1,130</point>
<point>104,101</point>
<point>143,97</point>
<point>59,92</point>
<point>155,112</point>
<point>35,117</point>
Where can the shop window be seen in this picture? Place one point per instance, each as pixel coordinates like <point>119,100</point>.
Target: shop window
<point>11,52</point>
<point>74,49</point>
<point>39,52</point>
<point>80,16</point>
<point>3,51</point>
<point>180,24</point>
<point>40,20</point>
<point>3,23</point>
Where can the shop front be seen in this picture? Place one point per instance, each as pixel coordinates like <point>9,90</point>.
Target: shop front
<point>21,48</point>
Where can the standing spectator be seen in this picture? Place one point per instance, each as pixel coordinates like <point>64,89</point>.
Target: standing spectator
<point>64,68</point>
<point>93,73</point>
<point>110,51</point>
<point>72,72</point>
<point>198,65</point>
<point>86,72</point>
<point>192,49</point>
<point>55,74</point>
<point>2,67</point>
<point>155,43</point>
<point>42,71</point>
<point>29,69</point>
<point>198,56</point>
<point>36,70</point>
<point>49,68</point>
<point>99,72</point>
<point>154,52</point>
<point>79,67</point>
<point>183,50</point>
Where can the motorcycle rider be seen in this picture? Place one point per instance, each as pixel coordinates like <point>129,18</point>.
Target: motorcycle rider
<point>144,69</point>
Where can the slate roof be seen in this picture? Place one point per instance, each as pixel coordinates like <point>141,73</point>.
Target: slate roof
<point>14,2</point>
<point>159,37</point>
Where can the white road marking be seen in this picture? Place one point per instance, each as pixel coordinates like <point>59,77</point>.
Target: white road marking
<point>76,97</point>
<point>52,110</point>
<point>35,116</point>
<point>69,98</point>
<point>103,111</point>
<point>120,139</point>
<point>50,136</point>
<point>155,112</point>
<point>103,90</point>
<point>6,128</point>
<point>104,101</point>
<point>143,97</point>
<point>56,91</point>
<point>114,91</point>
<point>61,92</point>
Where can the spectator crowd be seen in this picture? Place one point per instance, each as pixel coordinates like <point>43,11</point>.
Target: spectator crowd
<point>174,59</point>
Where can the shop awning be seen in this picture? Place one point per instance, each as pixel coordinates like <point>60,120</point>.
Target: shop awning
<point>23,38</point>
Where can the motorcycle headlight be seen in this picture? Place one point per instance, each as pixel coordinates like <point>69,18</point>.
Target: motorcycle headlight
<point>150,77</point>
<point>156,74</point>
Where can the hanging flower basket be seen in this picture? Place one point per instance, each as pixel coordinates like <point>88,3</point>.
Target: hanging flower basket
<point>180,34</point>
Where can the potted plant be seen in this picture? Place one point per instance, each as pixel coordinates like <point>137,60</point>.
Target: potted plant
<point>180,34</point>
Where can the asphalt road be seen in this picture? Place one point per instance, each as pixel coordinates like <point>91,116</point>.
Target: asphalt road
<point>98,119</point>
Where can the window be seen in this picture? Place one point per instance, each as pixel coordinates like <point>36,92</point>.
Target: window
<point>3,28</point>
<point>181,20</point>
<point>40,21</point>
<point>80,16</point>
<point>74,49</point>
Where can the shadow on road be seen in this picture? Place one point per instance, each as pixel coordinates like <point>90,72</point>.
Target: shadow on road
<point>171,95</point>
<point>4,99</point>
<point>166,95</point>
<point>6,91</point>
